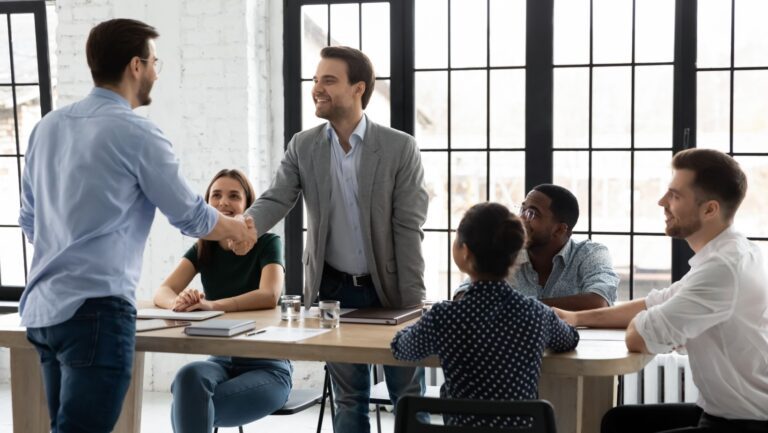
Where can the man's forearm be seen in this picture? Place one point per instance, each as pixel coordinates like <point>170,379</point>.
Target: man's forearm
<point>585,301</point>
<point>617,316</point>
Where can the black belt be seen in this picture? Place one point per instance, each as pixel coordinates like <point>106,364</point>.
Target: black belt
<point>741,425</point>
<point>354,280</point>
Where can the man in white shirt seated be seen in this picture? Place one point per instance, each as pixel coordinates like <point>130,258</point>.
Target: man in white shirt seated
<point>718,311</point>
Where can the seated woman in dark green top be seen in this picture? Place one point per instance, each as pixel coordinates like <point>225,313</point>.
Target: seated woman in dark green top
<point>227,391</point>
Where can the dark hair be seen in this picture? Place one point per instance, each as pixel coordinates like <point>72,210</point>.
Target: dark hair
<point>205,248</point>
<point>359,67</point>
<point>563,203</point>
<point>717,176</point>
<point>111,46</point>
<point>494,235</point>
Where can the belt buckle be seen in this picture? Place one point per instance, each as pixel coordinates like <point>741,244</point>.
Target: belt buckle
<point>354,281</point>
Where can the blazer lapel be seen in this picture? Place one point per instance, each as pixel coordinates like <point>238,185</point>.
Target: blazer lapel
<point>369,160</point>
<point>321,165</point>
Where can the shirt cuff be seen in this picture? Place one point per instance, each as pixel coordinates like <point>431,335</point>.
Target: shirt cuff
<point>657,340</point>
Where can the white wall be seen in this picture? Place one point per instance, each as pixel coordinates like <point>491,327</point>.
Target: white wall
<point>219,99</point>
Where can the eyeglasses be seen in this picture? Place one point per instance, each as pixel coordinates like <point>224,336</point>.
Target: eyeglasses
<point>157,63</point>
<point>526,213</point>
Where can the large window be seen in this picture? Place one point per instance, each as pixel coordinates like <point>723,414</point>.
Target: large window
<point>25,96</point>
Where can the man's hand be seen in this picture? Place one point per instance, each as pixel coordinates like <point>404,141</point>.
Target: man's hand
<point>247,239</point>
<point>570,317</point>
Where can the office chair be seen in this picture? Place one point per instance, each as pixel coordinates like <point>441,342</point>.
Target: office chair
<point>302,399</point>
<point>380,393</point>
<point>408,407</point>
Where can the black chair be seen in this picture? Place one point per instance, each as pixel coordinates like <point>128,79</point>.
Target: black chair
<point>408,407</point>
<point>302,399</point>
<point>380,393</point>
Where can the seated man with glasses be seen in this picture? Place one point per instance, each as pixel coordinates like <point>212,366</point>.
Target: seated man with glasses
<point>557,270</point>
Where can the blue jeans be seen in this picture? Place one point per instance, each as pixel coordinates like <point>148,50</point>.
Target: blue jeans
<point>86,363</point>
<point>228,392</point>
<point>352,382</point>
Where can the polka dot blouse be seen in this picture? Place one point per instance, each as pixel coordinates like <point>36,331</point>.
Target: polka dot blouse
<point>489,343</point>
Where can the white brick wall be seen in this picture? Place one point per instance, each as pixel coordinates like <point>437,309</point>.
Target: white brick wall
<point>219,99</point>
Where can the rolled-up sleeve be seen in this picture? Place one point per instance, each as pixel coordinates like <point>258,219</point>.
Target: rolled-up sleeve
<point>703,299</point>
<point>159,176</point>
<point>597,274</point>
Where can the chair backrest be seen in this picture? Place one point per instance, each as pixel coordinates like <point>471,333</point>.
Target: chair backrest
<point>408,408</point>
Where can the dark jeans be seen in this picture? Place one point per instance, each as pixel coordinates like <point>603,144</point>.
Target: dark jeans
<point>352,382</point>
<point>673,418</point>
<point>86,364</point>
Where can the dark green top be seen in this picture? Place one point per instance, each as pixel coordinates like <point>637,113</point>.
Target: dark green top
<point>230,275</point>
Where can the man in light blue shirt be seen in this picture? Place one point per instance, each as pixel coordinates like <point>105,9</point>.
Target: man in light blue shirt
<point>95,172</point>
<point>554,268</point>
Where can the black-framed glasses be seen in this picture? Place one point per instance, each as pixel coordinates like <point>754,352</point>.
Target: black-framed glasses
<point>158,64</point>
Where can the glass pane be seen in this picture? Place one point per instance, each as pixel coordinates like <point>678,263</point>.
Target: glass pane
<point>375,29</point>
<point>345,25</point>
<point>571,171</point>
<point>24,48</point>
<point>9,192</point>
<point>612,31</point>
<point>7,129</point>
<point>468,33</point>
<point>610,191</point>
<point>751,36</point>
<point>435,247</point>
<point>652,175</point>
<point>618,246</point>
<point>653,257</point>
<point>468,109</point>
<point>28,109</point>
<point>713,36</point>
<point>508,177</point>
<point>431,106</point>
<point>750,106</point>
<point>11,257</point>
<point>308,118</point>
<point>5,59</point>
<point>436,181</point>
<point>653,106</point>
<point>431,34</point>
<point>654,31</point>
<point>457,277</point>
<point>379,107</point>
<point>612,107</point>
<point>570,116</point>
<point>468,183</point>
<point>750,218</point>
<point>571,32</point>
<point>508,108</point>
<point>314,36</point>
<point>713,110</point>
<point>507,32</point>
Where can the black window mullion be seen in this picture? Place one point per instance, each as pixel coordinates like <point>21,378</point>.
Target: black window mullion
<point>632,159</point>
<point>450,156</point>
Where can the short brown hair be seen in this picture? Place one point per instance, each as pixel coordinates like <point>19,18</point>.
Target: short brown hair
<point>111,46</point>
<point>359,67</point>
<point>717,176</point>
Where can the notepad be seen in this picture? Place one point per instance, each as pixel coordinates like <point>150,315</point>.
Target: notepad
<point>220,328</point>
<point>287,335</point>
<point>160,313</point>
<point>381,316</point>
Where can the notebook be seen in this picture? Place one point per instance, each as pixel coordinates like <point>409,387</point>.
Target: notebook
<point>152,324</point>
<point>381,316</point>
<point>220,327</point>
<point>161,313</point>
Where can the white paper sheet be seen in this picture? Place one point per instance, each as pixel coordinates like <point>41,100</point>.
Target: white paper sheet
<point>276,333</point>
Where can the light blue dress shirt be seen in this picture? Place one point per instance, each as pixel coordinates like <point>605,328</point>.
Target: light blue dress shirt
<point>95,172</point>
<point>345,247</point>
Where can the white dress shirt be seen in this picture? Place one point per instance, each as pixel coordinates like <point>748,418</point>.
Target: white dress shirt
<point>345,247</point>
<point>719,312</point>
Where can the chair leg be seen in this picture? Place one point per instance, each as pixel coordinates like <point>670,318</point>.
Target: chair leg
<point>240,428</point>
<point>215,430</point>
<point>378,418</point>
<point>376,374</point>
<point>327,392</point>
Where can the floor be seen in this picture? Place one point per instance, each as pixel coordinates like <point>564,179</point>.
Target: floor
<point>155,417</point>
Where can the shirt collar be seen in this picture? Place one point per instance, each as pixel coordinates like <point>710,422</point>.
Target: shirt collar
<point>712,246</point>
<point>358,134</point>
<point>565,251</point>
<point>111,95</point>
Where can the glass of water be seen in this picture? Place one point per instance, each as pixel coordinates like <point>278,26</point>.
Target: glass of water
<point>290,307</point>
<point>329,314</point>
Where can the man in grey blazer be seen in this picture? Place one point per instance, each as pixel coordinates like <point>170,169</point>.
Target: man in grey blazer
<point>363,185</point>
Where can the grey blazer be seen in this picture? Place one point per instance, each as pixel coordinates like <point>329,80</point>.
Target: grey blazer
<point>393,208</point>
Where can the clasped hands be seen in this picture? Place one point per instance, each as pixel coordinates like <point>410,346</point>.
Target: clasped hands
<point>247,236</point>
<point>191,299</point>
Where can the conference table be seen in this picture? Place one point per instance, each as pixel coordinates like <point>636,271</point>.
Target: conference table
<point>580,384</point>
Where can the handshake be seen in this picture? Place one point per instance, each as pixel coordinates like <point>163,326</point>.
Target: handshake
<point>239,231</point>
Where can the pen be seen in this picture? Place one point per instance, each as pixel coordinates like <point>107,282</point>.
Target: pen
<point>261,331</point>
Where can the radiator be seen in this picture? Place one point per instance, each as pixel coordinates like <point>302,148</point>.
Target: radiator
<point>666,379</point>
